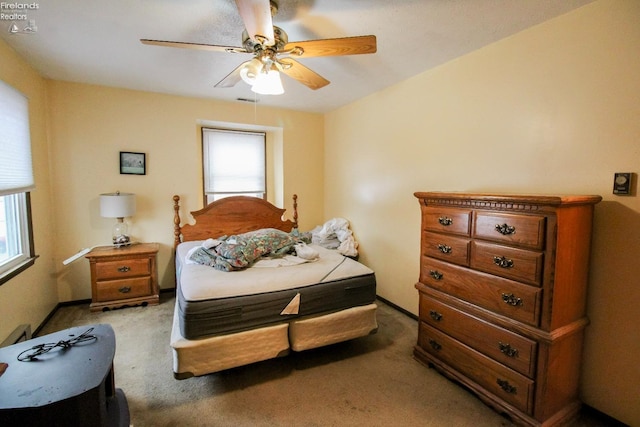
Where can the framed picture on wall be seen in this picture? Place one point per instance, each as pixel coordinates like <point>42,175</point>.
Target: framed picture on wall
<point>133,163</point>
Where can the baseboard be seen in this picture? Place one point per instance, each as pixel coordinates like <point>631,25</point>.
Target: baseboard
<point>77,302</point>
<point>600,417</point>
<point>400,309</point>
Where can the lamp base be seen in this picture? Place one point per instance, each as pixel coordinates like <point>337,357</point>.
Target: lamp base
<point>120,234</point>
<point>122,245</point>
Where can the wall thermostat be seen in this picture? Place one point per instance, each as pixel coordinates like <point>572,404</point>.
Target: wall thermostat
<point>622,183</point>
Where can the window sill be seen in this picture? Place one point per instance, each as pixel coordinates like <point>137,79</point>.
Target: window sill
<point>18,269</point>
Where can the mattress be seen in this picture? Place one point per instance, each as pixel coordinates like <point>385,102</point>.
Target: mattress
<point>211,302</point>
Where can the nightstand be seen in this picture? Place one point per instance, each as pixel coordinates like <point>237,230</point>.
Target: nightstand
<point>123,276</point>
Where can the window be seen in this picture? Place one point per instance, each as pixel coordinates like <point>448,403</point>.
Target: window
<point>234,163</point>
<point>15,235</point>
<point>16,180</point>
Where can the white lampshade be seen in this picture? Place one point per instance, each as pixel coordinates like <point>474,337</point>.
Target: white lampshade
<point>268,83</point>
<point>117,205</point>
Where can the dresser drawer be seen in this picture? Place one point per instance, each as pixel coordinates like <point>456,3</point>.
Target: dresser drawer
<point>508,348</point>
<point>446,220</point>
<point>499,380</point>
<point>517,264</point>
<point>122,268</point>
<point>520,230</point>
<point>503,296</point>
<point>123,289</point>
<point>446,247</point>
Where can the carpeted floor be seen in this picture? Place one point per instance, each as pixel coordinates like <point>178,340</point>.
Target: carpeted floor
<point>370,381</point>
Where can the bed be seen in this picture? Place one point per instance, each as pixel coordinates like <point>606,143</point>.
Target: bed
<point>225,319</point>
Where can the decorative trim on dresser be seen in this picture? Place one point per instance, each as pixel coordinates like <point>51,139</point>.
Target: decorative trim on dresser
<point>502,309</point>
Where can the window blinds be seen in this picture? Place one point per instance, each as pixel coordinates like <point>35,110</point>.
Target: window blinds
<point>234,162</point>
<point>16,173</point>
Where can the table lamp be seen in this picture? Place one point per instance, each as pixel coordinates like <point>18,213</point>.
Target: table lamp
<point>118,205</point>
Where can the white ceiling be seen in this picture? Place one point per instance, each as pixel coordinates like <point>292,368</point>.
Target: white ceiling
<point>97,42</point>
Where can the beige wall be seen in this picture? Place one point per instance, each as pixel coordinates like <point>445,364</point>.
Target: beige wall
<point>90,125</point>
<point>29,297</point>
<point>555,109</point>
<point>551,110</point>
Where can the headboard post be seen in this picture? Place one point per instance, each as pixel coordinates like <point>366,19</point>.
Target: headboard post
<point>176,221</point>
<point>295,211</point>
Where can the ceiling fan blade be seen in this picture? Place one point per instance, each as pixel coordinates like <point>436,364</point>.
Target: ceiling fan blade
<point>256,15</point>
<point>332,47</point>
<point>198,46</point>
<point>232,78</point>
<point>304,75</point>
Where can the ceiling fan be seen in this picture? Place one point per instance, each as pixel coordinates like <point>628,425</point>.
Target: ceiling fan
<point>273,53</point>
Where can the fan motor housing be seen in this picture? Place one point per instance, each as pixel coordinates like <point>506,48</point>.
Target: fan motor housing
<point>280,36</point>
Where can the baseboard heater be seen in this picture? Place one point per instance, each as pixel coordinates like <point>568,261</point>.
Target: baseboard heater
<point>21,333</point>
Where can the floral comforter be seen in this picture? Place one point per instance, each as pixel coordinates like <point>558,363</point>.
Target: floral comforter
<point>241,251</point>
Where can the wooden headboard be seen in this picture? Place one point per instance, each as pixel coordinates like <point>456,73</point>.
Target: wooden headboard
<point>231,215</point>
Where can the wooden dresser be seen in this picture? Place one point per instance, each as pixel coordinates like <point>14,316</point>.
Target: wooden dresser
<point>503,281</point>
<point>123,276</point>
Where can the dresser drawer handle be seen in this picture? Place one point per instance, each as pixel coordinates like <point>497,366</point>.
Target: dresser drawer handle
<point>446,221</point>
<point>511,299</point>
<point>503,262</point>
<point>505,229</point>
<point>435,315</point>
<point>435,274</point>
<point>434,345</point>
<point>507,350</point>
<point>444,248</point>
<point>124,289</point>
<point>123,269</point>
<point>504,385</point>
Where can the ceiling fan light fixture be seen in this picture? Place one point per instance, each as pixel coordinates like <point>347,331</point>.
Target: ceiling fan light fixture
<point>268,83</point>
<point>250,71</point>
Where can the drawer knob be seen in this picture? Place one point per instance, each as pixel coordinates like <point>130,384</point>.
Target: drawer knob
<point>435,315</point>
<point>504,385</point>
<point>507,350</point>
<point>505,229</point>
<point>123,269</point>
<point>444,248</point>
<point>503,262</point>
<point>511,299</point>
<point>443,220</point>
<point>434,345</point>
<point>435,274</point>
<point>124,289</point>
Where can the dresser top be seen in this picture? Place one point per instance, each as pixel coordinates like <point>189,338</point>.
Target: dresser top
<point>534,199</point>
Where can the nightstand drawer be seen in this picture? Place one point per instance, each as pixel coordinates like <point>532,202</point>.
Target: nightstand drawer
<point>508,348</point>
<point>122,268</point>
<point>123,289</point>
<point>503,382</point>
